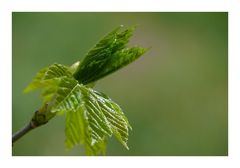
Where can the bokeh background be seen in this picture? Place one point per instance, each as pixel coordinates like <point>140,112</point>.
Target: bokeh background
<point>175,96</point>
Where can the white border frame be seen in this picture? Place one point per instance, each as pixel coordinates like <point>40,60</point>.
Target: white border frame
<point>8,6</point>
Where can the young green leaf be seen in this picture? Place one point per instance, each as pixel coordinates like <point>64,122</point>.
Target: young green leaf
<point>48,80</point>
<point>95,115</point>
<point>122,58</point>
<point>91,116</point>
<point>77,132</point>
<point>109,55</point>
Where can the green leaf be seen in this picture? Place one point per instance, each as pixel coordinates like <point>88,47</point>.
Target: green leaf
<point>48,80</point>
<point>91,116</point>
<point>75,128</point>
<point>122,58</point>
<point>67,96</point>
<point>108,55</point>
<point>115,116</point>
<point>77,132</point>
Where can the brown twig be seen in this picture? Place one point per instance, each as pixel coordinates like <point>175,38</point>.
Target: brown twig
<point>23,131</point>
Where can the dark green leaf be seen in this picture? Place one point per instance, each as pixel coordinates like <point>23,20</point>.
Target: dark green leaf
<point>109,55</point>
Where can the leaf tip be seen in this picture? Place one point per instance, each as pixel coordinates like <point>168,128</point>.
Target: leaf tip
<point>27,89</point>
<point>125,145</point>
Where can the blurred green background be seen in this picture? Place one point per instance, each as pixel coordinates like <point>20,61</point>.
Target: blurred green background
<point>175,96</point>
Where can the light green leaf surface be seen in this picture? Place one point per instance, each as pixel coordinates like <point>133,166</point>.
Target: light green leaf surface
<point>77,132</point>
<point>48,80</point>
<point>91,116</point>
